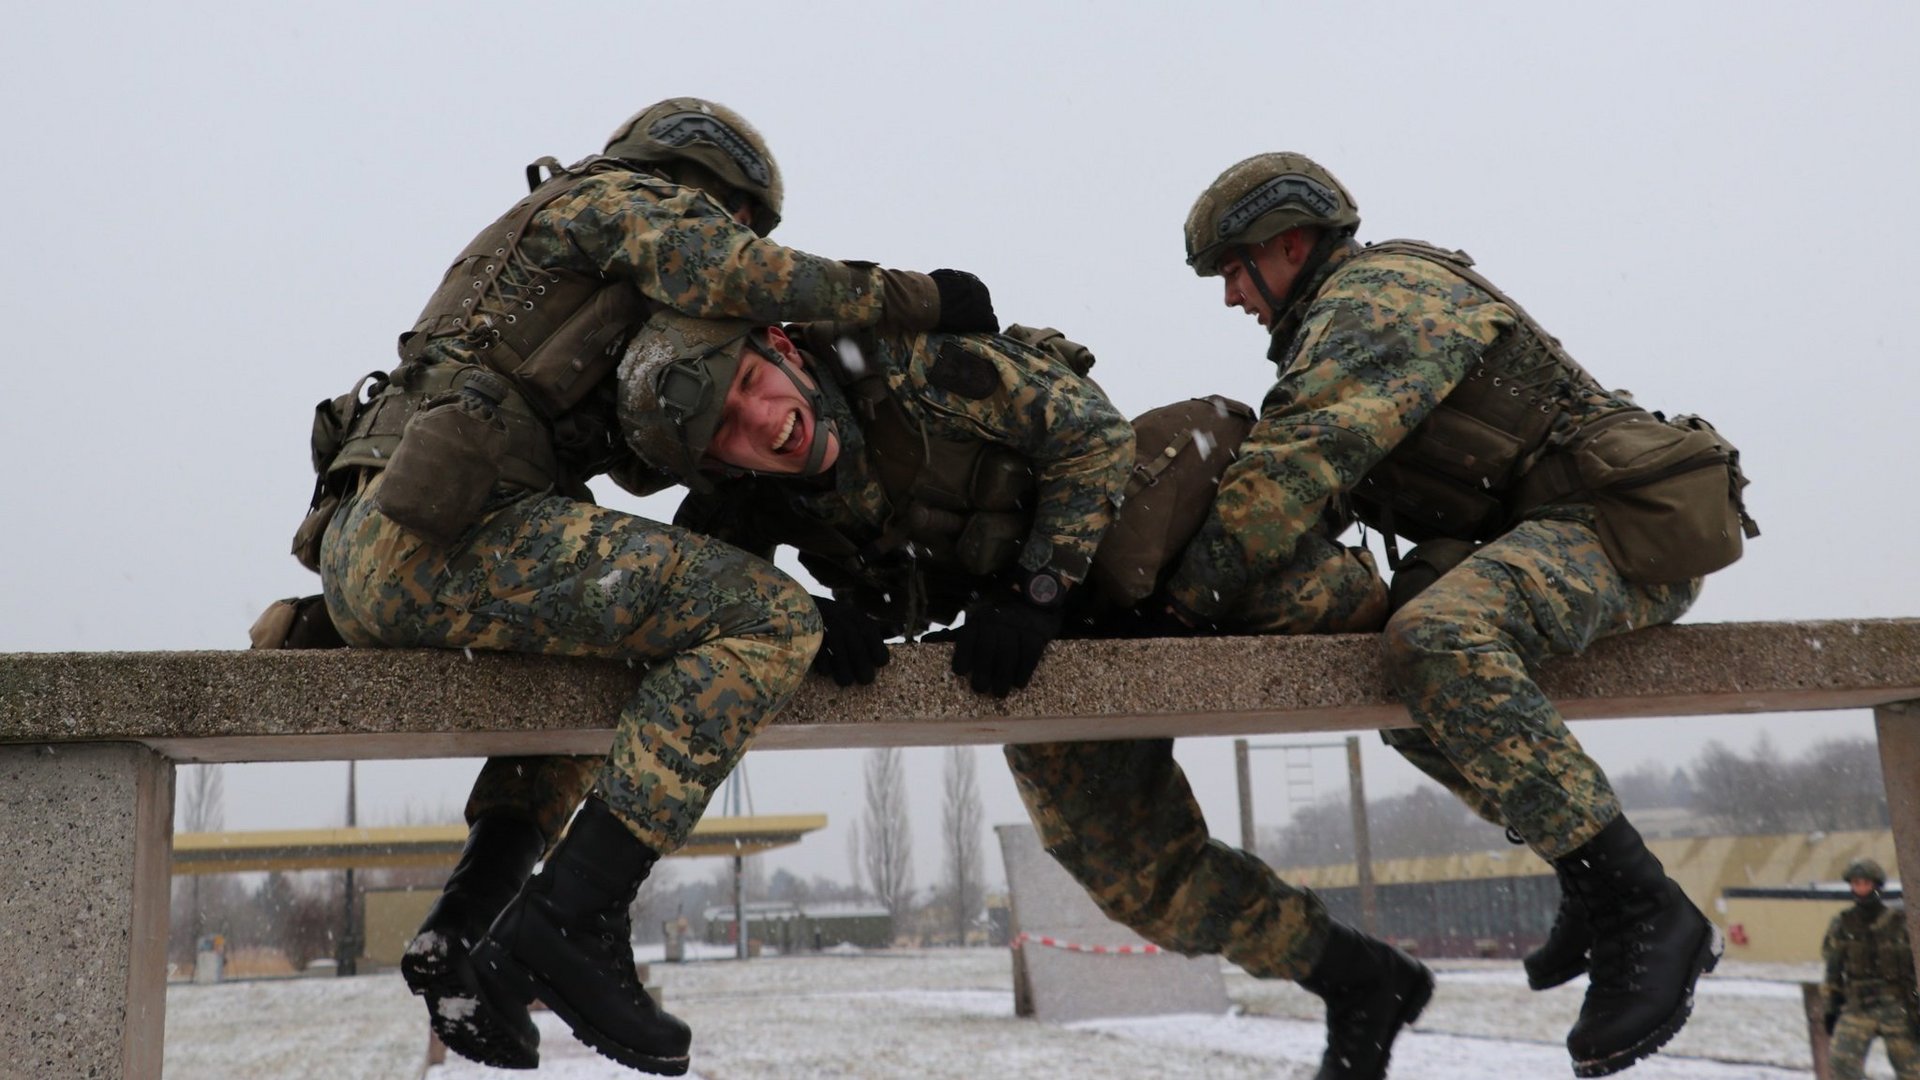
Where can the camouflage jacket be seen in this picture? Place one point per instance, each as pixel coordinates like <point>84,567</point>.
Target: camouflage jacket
<point>679,249</point>
<point>1364,358</point>
<point>1002,393</point>
<point>1868,956</point>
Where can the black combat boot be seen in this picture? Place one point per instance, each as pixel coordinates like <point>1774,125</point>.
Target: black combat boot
<point>567,940</point>
<point>1372,990</point>
<point>1650,945</point>
<point>1564,954</point>
<point>470,1013</point>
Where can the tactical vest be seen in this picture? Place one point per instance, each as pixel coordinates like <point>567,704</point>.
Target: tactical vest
<point>956,501</point>
<point>555,334</point>
<point>1456,475</point>
<point>1872,954</point>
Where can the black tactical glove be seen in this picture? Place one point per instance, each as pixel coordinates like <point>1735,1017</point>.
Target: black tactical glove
<point>853,645</point>
<point>966,307</point>
<point>1001,643</point>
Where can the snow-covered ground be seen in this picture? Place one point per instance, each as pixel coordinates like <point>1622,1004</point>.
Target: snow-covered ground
<point>941,1014</point>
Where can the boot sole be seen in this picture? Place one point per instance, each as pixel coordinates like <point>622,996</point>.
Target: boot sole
<point>528,984</point>
<point>1705,959</point>
<point>476,1038</point>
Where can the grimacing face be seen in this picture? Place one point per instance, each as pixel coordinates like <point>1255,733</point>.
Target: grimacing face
<point>766,424</point>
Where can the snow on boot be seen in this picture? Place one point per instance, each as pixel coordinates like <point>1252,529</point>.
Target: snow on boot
<point>471,1013</point>
<point>1372,990</point>
<point>1564,954</point>
<point>567,939</point>
<point>1650,945</point>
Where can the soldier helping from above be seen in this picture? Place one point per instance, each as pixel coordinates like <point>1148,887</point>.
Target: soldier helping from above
<point>919,475</point>
<point>1550,512</point>
<point>1870,986</point>
<point>452,511</point>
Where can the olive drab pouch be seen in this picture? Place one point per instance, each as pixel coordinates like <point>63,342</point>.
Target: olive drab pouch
<point>1180,452</point>
<point>1425,564</point>
<point>447,463</point>
<point>990,541</point>
<point>306,539</point>
<point>1077,357</point>
<point>332,418</point>
<point>1666,495</point>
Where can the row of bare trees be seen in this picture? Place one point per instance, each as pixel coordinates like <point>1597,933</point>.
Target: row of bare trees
<point>880,845</point>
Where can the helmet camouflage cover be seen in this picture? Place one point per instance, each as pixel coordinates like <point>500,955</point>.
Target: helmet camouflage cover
<point>1867,869</point>
<point>673,383</point>
<point>1260,198</point>
<point>712,136</point>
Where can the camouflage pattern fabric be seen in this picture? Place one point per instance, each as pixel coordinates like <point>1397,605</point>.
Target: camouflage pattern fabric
<point>1365,359</point>
<point>1362,364</point>
<point>1078,444</point>
<point>1461,655</point>
<point>1854,1035</point>
<point>1120,817</point>
<point>724,638</point>
<point>1870,971</point>
<point>680,249</point>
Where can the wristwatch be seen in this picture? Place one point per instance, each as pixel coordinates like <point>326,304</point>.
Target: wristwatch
<point>1043,588</point>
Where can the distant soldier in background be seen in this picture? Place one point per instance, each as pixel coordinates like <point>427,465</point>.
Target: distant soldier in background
<point>451,511</point>
<point>1870,986</point>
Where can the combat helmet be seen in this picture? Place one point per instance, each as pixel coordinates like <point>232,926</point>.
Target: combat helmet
<point>673,387</point>
<point>1868,869</point>
<point>1260,198</point>
<point>713,137</point>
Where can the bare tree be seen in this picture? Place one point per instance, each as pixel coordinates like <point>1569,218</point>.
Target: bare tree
<point>886,836</point>
<point>205,811</point>
<point>960,819</point>
<point>856,862</point>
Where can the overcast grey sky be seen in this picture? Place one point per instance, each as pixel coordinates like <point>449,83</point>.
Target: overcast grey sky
<point>223,213</point>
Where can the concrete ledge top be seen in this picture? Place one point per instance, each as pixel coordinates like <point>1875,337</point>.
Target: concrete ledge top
<point>353,703</point>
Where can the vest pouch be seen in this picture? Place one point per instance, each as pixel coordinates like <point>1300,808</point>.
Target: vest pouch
<point>1180,451</point>
<point>573,357</point>
<point>1002,481</point>
<point>991,542</point>
<point>1077,357</point>
<point>1666,496</point>
<point>306,539</point>
<point>1424,565</point>
<point>443,470</point>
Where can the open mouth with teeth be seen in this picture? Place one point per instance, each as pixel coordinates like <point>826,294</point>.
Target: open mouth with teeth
<point>792,436</point>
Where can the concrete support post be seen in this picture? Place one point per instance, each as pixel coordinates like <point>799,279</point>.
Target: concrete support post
<point>1243,776</point>
<point>86,836</point>
<point>1899,729</point>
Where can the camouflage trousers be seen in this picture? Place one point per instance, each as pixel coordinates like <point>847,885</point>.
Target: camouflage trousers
<point>724,639</point>
<point>1121,818</point>
<point>1859,1025</point>
<point>1461,655</point>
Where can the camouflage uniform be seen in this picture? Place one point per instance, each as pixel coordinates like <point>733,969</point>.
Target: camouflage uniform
<point>550,572</point>
<point>1870,972</point>
<point>1015,396</point>
<point>1118,815</point>
<point>1365,356</point>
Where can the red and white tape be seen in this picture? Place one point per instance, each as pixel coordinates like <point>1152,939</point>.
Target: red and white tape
<point>1102,950</point>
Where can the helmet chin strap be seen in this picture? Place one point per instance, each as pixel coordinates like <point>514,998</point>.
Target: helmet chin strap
<point>1259,282</point>
<point>817,403</point>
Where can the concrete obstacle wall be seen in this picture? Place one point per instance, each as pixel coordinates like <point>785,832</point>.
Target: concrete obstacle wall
<point>1071,962</point>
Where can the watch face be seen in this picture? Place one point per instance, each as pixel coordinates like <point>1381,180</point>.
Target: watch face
<point>1043,588</point>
